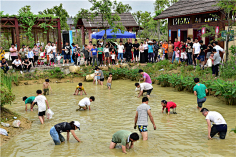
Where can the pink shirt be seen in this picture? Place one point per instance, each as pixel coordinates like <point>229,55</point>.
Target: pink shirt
<point>169,105</point>
<point>14,53</point>
<point>148,79</point>
<point>177,54</point>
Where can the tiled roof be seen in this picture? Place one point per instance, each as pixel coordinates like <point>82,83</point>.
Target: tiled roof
<point>188,7</point>
<point>127,20</point>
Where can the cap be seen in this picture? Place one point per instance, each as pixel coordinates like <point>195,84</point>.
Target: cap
<point>77,124</point>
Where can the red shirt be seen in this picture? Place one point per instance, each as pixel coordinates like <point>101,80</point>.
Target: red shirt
<point>169,105</point>
<point>177,44</point>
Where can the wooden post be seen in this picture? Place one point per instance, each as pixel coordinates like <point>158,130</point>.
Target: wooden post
<point>59,36</point>
<point>83,35</point>
<point>53,35</point>
<point>47,35</point>
<point>13,35</point>
<point>35,37</point>
<point>90,33</point>
<point>17,34</point>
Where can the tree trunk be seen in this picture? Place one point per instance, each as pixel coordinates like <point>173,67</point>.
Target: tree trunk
<point>158,29</point>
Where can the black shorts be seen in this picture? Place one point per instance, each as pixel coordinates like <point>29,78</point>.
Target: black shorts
<point>102,79</point>
<point>42,113</point>
<point>136,54</point>
<point>86,59</point>
<point>148,91</point>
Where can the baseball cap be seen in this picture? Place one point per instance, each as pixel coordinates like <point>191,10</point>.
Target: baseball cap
<point>77,124</point>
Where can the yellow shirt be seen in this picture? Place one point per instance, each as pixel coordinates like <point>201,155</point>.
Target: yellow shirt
<point>2,54</point>
<point>80,89</point>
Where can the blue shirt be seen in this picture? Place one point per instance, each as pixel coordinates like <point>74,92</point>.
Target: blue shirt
<point>150,48</point>
<point>94,51</point>
<point>30,54</point>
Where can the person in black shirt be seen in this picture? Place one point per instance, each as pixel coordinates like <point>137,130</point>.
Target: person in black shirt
<point>156,48</point>
<point>136,50</point>
<point>189,50</point>
<point>67,52</point>
<point>56,130</point>
<point>128,47</point>
<point>4,65</point>
<point>27,64</point>
<point>201,56</point>
<point>209,51</point>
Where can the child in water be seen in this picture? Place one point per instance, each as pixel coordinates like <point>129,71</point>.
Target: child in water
<point>46,87</point>
<point>168,105</point>
<point>109,81</point>
<point>80,89</point>
<point>85,103</point>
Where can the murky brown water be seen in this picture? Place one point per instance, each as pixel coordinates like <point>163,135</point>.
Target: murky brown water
<point>184,134</point>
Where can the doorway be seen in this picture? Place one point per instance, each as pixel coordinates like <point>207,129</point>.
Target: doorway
<point>173,36</point>
<point>183,36</point>
<point>197,34</point>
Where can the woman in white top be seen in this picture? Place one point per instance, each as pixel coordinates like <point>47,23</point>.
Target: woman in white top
<point>141,49</point>
<point>106,54</point>
<point>145,44</point>
<point>54,49</point>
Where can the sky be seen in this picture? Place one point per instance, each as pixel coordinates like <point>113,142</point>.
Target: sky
<point>72,6</point>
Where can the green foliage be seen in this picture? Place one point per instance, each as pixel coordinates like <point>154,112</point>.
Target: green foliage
<point>56,73</point>
<point>6,84</point>
<point>59,12</point>
<point>108,10</point>
<point>233,130</point>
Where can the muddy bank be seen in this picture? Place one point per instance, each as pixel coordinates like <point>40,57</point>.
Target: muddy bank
<point>7,117</point>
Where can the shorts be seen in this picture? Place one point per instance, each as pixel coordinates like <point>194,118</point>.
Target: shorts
<point>109,85</point>
<point>202,58</point>
<point>66,56</point>
<point>86,59</point>
<point>200,102</point>
<point>83,106</point>
<point>101,79</point>
<point>120,55</point>
<point>46,91</point>
<point>142,128</point>
<point>41,113</point>
<point>221,129</point>
<point>148,91</point>
<point>136,54</point>
<point>107,54</point>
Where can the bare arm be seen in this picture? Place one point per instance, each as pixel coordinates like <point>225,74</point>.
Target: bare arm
<point>195,93</point>
<point>206,91</point>
<point>73,133</point>
<point>85,92</point>
<point>68,136</point>
<point>209,128</point>
<point>140,93</point>
<point>89,107</point>
<point>151,118</point>
<point>135,119</point>
<point>131,145</point>
<point>47,103</point>
<point>144,80</point>
<point>124,149</point>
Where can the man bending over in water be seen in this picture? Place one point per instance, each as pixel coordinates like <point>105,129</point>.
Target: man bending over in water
<point>46,87</point>
<point>85,102</point>
<point>29,100</point>
<point>80,89</point>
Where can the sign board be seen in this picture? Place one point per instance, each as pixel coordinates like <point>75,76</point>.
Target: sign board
<point>224,34</point>
<point>203,30</point>
<point>178,32</point>
<point>217,30</point>
<point>169,33</point>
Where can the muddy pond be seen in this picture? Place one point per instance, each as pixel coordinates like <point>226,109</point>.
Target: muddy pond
<point>181,134</point>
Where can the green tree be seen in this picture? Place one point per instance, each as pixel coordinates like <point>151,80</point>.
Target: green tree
<point>228,9</point>
<point>60,12</point>
<point>108,11</point>
<point>137,17</point>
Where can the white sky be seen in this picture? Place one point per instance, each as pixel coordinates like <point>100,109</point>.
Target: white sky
<point>72,6</point>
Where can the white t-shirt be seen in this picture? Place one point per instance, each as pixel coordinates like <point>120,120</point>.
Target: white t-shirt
<point>113,56</point>
<point>196,47</point>
<point>53,48</point>
<point>48,49</point>
<point>145,46</point>
<point>218,49</point>
<point>40,99</point>
<point>215,117</point>
<point>145,86</point>
<point>16,62</point>
<point>120,48</point>
<point>106,50</point>
<point>84,101</point>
